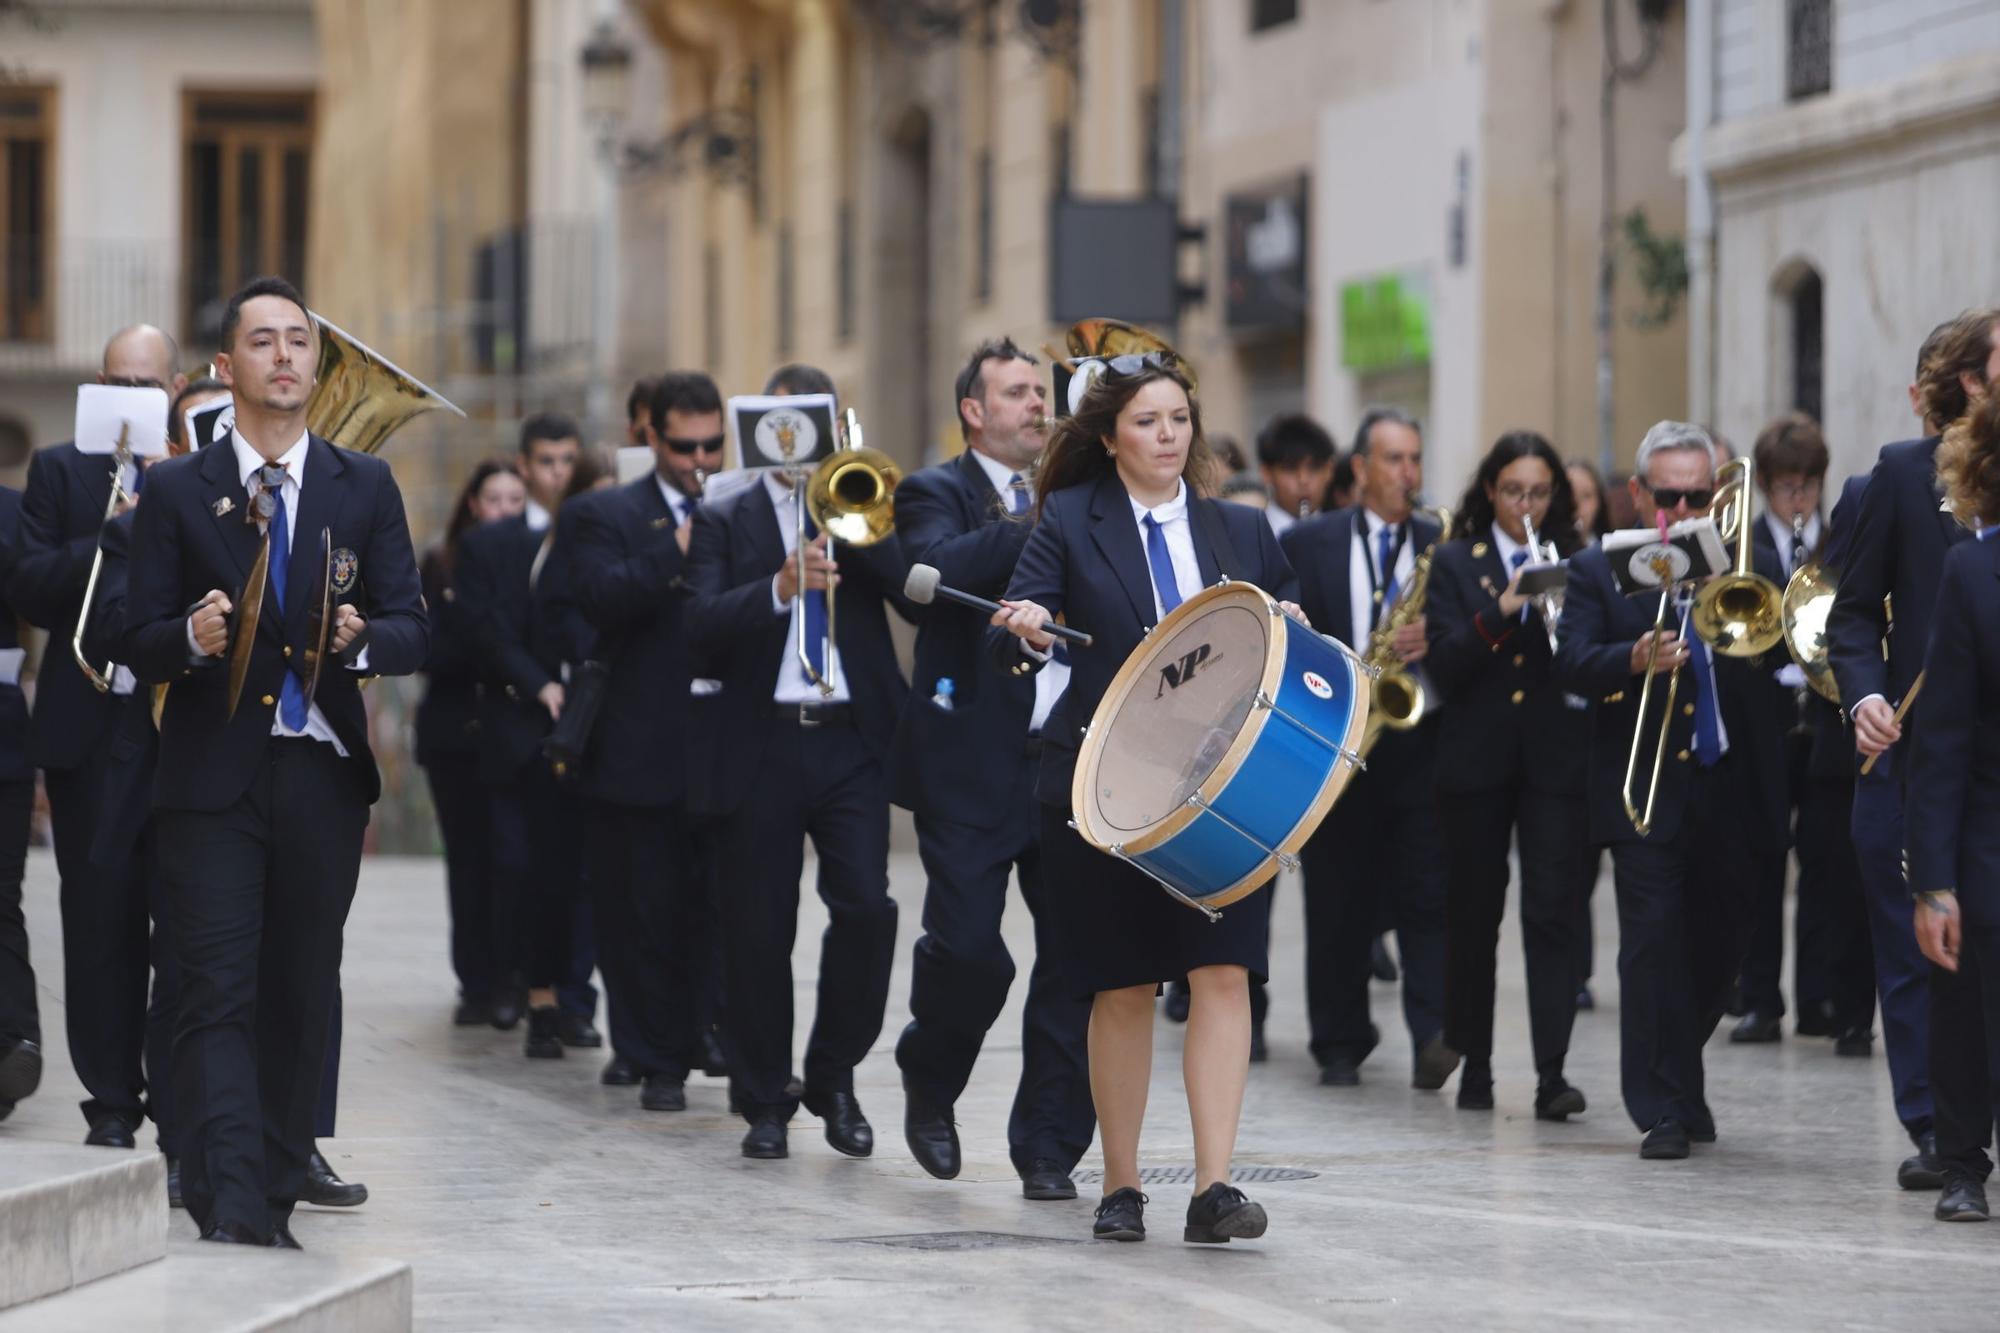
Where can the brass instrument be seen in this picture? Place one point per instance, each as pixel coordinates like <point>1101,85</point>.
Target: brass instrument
<point>119,458</point>
<point>1739,614</point>
<point>851,496</point>
<point>1548,604</point>
<point>1808,601</point>
<point>1105,338</point>
<point>1396,699</point>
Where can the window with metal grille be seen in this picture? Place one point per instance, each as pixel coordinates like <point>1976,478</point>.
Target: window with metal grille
<point>1270,13</point>
<point>1808,48</point>
<point>1809,345</point>
<point>27,130</point>
<point>247,187</point>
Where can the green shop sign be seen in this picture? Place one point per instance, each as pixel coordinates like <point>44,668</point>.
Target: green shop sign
<point>1385,323</point>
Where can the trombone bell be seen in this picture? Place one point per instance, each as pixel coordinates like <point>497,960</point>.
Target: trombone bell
<point>1807,603</point>
<point>1740,614</point>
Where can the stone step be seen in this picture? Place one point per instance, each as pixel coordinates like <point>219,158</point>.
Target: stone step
<point>232,1289</point>
<point>71,1215</point>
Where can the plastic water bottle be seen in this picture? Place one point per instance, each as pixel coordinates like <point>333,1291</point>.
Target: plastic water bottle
<point>944,691</point>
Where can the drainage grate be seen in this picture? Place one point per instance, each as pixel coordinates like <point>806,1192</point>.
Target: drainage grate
<point>1184,1175</point>
<point>961,1240</point>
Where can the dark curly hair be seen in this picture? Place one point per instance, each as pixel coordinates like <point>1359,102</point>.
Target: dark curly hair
<point>1076,452</point>
<point>1968,463</point>
<point>1475,509</point>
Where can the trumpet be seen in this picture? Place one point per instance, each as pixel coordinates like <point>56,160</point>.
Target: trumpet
<point>851,497</point>
<point>1548,604</point>
<point>119,495</point>
<point>1397,700</point>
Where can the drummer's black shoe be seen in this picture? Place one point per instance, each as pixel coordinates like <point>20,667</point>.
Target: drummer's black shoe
<point>1557,1100</point>
<point>1220,1214</point>
<point>1475,1087</point>
<point>1435,1063</point>
<point>1121,1216</point>
<point>1964,1197</point>
<point>1339,1072</point>
<point>931,1135</point>
<point>1179,997</point>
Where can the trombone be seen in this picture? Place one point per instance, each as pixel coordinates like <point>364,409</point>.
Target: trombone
<point>1738,614</point>
<point>1548,604</point>
<point>119,458</point>
<point>851,497</point>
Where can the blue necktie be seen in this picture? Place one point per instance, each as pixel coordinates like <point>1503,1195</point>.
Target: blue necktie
<point>1385,543</point>
<point>1515,561</point>
<point>292,697</point>
<point>1163,567</point>
<point>1707,722</point>
<point>815,610</point>
<point>1017,494</point>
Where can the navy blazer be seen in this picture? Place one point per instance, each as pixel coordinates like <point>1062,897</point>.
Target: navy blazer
<point>187,541</point>
<point>1085,563</point>
<point>620,560</point>
<point>500,609</point>
<point>1833,757</point>
<point>448,715</point>
<point>955,765</point>
<point>734,551</point>
<point>1508,723</point>
<point>60,514</point>
<point>1954,774</point>
<point>125,790</point>
<point>14,762</point>
<point>1897,548</point>
<point>1594,659</point>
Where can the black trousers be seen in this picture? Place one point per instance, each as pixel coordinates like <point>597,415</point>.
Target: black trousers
<point>829,786</point>
<point>1583,931</point>
<point>1478,829</point>
<point>646,893</point>
<point>1833,923</point>
<point>1380,848</point>
<point>1683,921</point>
<point>1965,1020</point>
<point>536,875</point>
<point>163,1012</point>
<point>704,838</point>
<point>960,972</point>
<point>464,804</point>
<point>20,1015</point>
<point>258,895</point>
<point>1902,973</point>
<point>107,946</point>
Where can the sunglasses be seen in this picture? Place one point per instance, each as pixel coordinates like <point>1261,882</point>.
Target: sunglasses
<point>1669,498</point>
<point>711,445</point>
<point>128,382</point>
<point>1134,362</point>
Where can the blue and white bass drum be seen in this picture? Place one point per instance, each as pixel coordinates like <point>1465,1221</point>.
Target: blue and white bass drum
<point>1219,747</point>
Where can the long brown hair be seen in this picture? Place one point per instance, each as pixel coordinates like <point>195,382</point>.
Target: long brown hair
<point>1968,462</point>
<point>1960,346</point>
<point>461,514</point>
<point>1076,454</point>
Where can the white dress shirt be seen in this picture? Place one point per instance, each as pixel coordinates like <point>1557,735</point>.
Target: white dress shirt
<point>1053,679</point>
<point>538,517</point>
<point>1172,518</point>
<point>1781,534</point>
<point>1360,587</point>
<point>1278,518</point>
<point>680,506</point>
<point>794,686</point>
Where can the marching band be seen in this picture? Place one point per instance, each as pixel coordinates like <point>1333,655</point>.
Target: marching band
<point>643,696</point>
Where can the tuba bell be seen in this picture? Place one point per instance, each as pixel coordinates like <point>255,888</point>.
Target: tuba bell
<point>360,397</point>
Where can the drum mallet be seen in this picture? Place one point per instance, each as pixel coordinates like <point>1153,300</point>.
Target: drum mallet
<point>923,587</point>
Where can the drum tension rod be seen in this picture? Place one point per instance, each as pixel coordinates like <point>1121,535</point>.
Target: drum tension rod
<point>1348,756</point>
<point>1285,859</point>
<point>1118,850</point>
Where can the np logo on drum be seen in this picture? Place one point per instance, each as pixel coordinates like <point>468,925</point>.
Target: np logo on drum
<point>1176,674</point>
<point>1318,685</point>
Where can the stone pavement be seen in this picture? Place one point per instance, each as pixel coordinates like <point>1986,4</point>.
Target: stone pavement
<point>527,1196</point>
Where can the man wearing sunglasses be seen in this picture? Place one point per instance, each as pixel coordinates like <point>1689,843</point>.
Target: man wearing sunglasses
<point>1685,886</point>
<point>104,909</point>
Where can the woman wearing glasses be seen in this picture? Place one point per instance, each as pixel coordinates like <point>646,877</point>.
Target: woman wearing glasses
<point>1516,744</point>
<point>1122,537</point>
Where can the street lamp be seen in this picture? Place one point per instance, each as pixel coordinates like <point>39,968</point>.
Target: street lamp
<point>721,140</point>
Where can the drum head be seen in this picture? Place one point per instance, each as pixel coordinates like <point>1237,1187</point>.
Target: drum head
<point>1173,713</point>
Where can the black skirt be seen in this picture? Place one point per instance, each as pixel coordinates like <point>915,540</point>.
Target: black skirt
<point>1118,928</point>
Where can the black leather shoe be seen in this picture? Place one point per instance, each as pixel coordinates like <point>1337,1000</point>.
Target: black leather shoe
<point>847,1130</point>
<point>1045,1181</point>
<point>1435,1063</point>
<point>1259,1052</point>
<point>508,1007</point>
<point>931,1136</point>
<point>662,1093</point>
<point>1924,1171</point>
<point>283,1239</point>
<point>1179,998</point>
<point>577,1031</point>
<point>1339,1072</point>
<point>543,1043</point>
<point>1755,1029</point>
<point>232,1233</point>
<point>472,1014</point>
<point>1558,1101</point>
<point>1475,1087</point>
<point>1817,1021</point>
<point>110,1130</point>
<point>174,1183</point>
<point>1380,965</point>
<point>20,1074</point>
<point>765,1140</point>
<point>618,1073</point>
<point>1666,1142</point>
<point>328,1190</point>
<point>1964,1197</point>
<point>1856,1043</point>
<point>713,1062</point>
<point>1121,1216</point>
<point>1220,1214</point>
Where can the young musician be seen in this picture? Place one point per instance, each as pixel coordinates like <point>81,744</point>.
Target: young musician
<point>1516,742</point>
<point>1954,796</point>
<point>1897,551</point>
<point>967,772</point>
<point>1378,859</point>
<point>789,762</point>
<point>1683,886</point>
<point>1121,539</point>
<point>260,814</point>
<point>1295,459</point>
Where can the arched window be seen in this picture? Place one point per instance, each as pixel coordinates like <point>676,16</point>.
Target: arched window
<point>1799,382</point>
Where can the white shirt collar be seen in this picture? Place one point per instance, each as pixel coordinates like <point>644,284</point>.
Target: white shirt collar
<point>779,487</point>
<point>996,472</point>
<point>1373,522</point>
<point>677,503</point>
<point>1781,533</point>
<point>1166,513</point>
<point>1506,545</point>
<point>248,460</point>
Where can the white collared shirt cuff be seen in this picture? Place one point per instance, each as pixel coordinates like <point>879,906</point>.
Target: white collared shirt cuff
<point>361,662</point>
<point>195,654</point>
<point>779,606</point>
<point>1039,654</point>
<point>1862,700</point>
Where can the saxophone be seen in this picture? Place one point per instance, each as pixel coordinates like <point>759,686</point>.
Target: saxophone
<point>1395,693</point>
